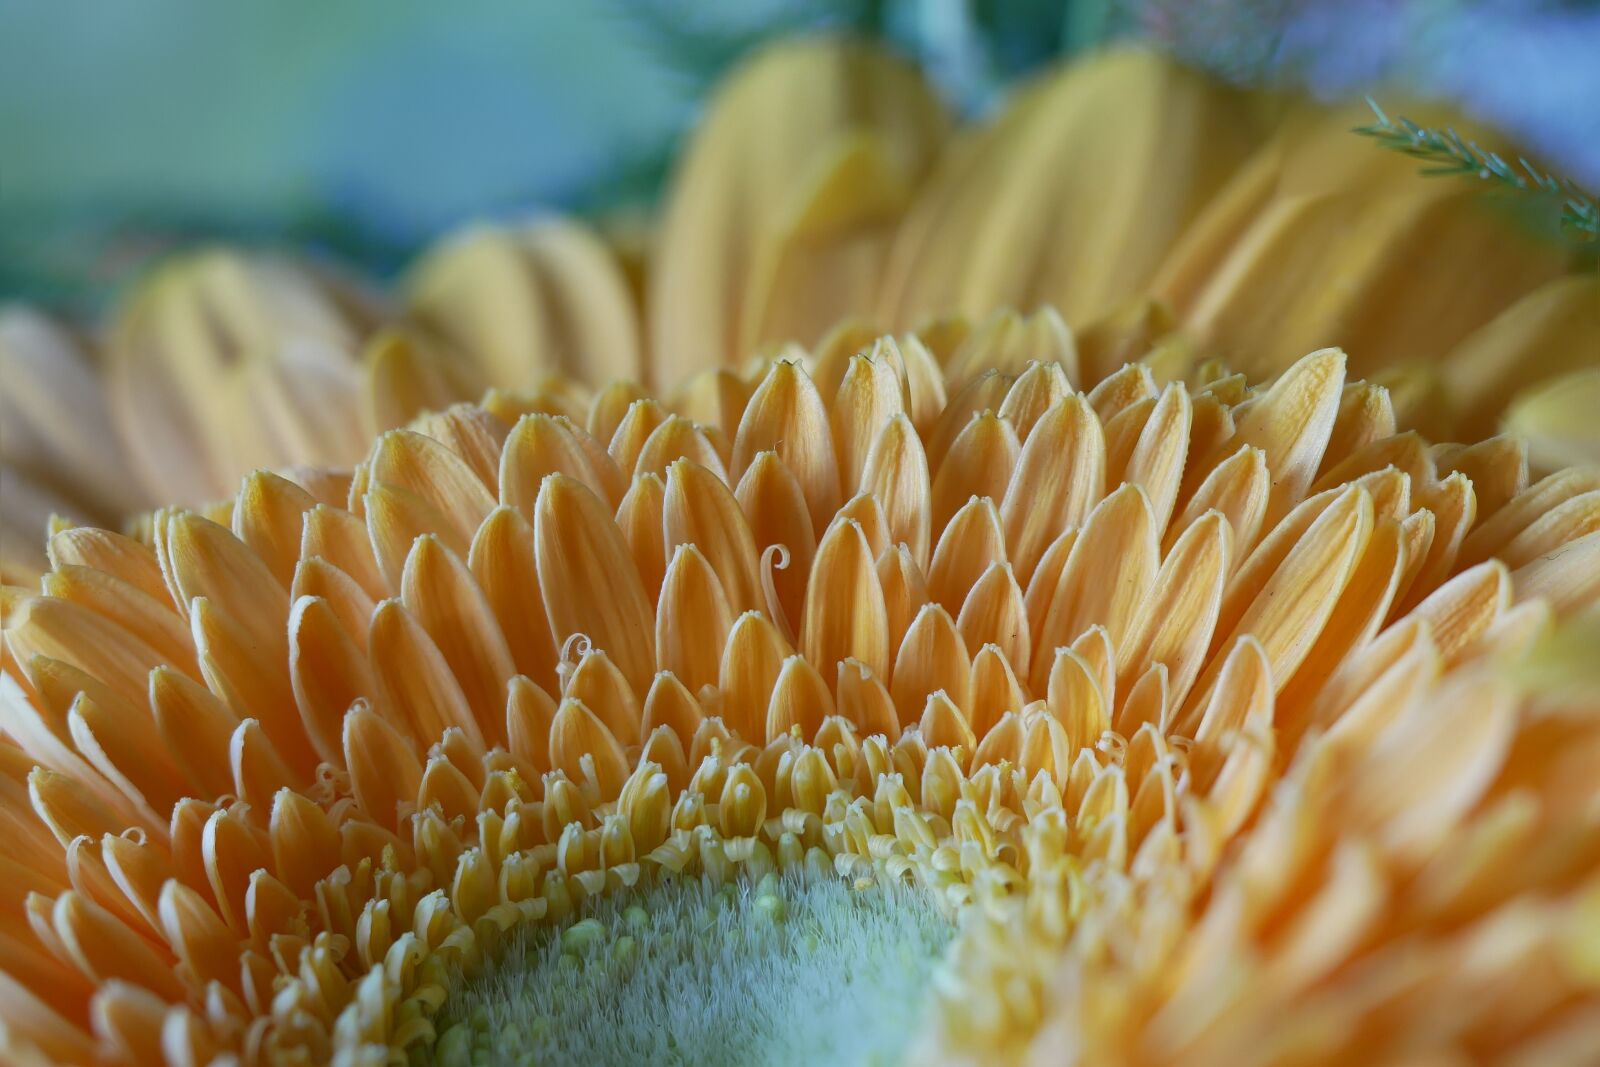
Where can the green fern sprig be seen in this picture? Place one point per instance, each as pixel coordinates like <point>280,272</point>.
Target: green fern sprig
<point>1453,155</point>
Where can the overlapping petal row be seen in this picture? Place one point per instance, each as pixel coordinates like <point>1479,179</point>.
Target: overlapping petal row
<point>1195,699</point>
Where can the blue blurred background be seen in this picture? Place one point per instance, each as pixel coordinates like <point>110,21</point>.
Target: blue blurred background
<point>366,126</point>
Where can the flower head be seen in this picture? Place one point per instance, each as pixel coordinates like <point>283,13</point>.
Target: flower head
<point>1228,719</point>
<point>1113,674</point>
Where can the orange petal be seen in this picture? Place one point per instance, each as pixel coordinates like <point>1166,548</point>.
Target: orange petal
<point>845,615</point>
<point>786,416</point>
<point>896,475</point>
<point>692,619</point>
<point>588,579</point>
<point>442,595</point>
<point>415,682</point>
<point>1060,476</point>
<point>699,508</point>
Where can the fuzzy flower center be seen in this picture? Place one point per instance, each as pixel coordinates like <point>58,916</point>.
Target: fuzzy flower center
<point>793,970</point>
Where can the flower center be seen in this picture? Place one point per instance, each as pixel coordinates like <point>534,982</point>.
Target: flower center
<point>793,970</point>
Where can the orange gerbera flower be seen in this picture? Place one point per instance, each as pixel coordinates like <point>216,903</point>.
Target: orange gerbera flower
<point>1190,701</point>
<point>979,693</point>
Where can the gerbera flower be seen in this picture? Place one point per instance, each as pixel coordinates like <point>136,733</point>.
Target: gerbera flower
<point>1186,702</point>
<point>1133,712</point>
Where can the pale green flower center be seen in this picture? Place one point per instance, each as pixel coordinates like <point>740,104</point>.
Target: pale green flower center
<point>791,971</point>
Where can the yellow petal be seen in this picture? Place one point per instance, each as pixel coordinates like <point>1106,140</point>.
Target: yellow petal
<point>581,746</point>
<point>588,580</point>
<point>384,770</point>
<point>800,700</point>
<point>441,594</point>
<point>1546,495</point>
<point>1550,332</point>
<point>1312,203</point>
<point>845,615</point>
<point>1365,415</point>
<point>798,209</point>
<point>1454,509</point>
<point>253,685</point>
<point>1077,700</point>
<point>328,671</point>
<point>995,615</point>
<point>1464,728</point>
<point>1174,624</point>
<point>865,511</point>
<point>979,463</point>
<point>305,842</point>
<point>943,725</point>
<point>1554,417</point>
<point>529,713</point>
<point>502,561</point>
<point>1291,424</point>
<point>642,419</point>
<point>897,476</point>
<point>1157,462</point>
<point>699,509</point>
<point>863,700</point>
<point>1361,609</point>
<point>340,538</point>
<point>405,374</point>
<point>127,606</point>
<point>437,476</point>
<point>679,439</point>
<point>1568,578</point>
<point>524,302</point>
<point>1497,467</point>
<point>788,417</point>
<point>692,620</point>
<point>772,500</point>
<point>1060,476</point>
<point>414,679</point>
<point>604,690</point>
<point>932,658</point>
<point>868,397</point>
<point>196,728</point>
<point>986,392</point>
<point>669,704</point>
<point>541,445</point>
<point>258,771</point>
<point>1062,203</point>
<point>113,553</point>
<point>973,542</point>
<point>206,560</point>
<point>1294,604</point>
<point>1110,571</point>
<point>105,949</point>
<point>905,591</point>
<point>753,657</point>
<point>641,518</point>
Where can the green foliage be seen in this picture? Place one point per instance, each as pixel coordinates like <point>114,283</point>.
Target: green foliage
<point>1451,155</point>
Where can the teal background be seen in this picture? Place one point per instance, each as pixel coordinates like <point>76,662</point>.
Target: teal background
<point>363,127</point>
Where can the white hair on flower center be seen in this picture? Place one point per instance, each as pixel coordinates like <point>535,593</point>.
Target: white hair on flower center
<point>793,970</point>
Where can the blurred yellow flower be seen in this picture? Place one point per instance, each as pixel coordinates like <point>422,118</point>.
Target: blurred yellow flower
<point>1155,212</point>
<point>784,203</point>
